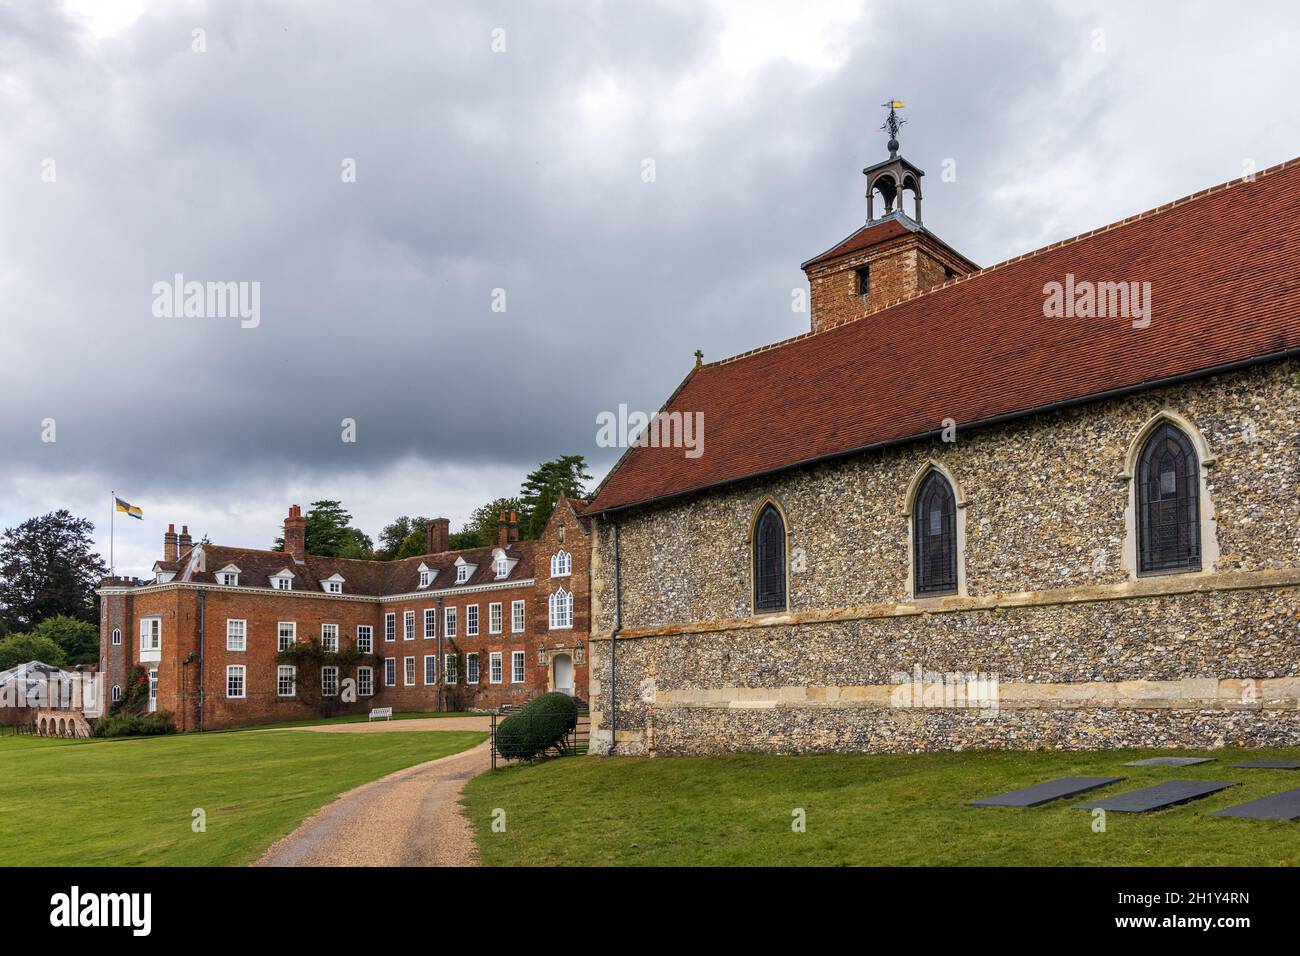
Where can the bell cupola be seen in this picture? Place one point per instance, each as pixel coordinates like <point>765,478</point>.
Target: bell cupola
<point>892,256</point>
<point>893,177</point>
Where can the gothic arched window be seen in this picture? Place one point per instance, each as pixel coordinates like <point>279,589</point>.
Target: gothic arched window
<point>769,560</point>
<point>934,535</point>
<point>561,609</point>
<point>1168,502</point>
<point>561,564</point>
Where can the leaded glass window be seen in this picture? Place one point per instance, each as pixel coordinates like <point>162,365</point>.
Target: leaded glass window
<point>934,535</point>
<point>1168,502</point>
<point>769,560</point>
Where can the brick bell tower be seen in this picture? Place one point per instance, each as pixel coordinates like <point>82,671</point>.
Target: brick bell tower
<point>891,256</point>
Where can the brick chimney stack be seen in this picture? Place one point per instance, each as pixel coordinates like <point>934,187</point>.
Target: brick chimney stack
<point>169,543</point>
<point>295,534</point>
<point>503,530</point>
<point>184,543</point>
<point>438,536</point>
<point>514,526</point>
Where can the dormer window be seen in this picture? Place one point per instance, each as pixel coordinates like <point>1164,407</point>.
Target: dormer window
<point>333,584</point>
<point>282,580</point>
<point>162,574</point>
<point>228,576</point>
<point>464,570</point>
<point>501,564</point>
<point>426,576</point>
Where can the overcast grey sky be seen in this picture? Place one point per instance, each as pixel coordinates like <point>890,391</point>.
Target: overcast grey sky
<point>518,169</point>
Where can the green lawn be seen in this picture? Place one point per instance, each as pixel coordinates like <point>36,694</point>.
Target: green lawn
<point>865,810</point>
<point>131,801</point>
<point>353,719</point>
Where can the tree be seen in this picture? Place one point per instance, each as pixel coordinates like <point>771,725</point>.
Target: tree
<point>79,640</point>
<point>544,486</point>
<point>355,543</point>
<point>407,537</point>
<point>47,568</point>
<point>20,648</point>
<point>398,538</point>
<point>330,533</point>
<point>415,544</point>
<point>465,538</point>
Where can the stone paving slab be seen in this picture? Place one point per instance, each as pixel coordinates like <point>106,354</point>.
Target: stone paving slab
<point>1167,794</point>
<point>1269,765</point>
<point>1041,793</point>
<point>1169,762</point>
<point>1278,806</point>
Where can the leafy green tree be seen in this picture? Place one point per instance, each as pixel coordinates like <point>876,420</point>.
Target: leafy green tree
<point>466,538</point>
<point>330,533</point>
<point>47,568</point>
<point>356,544</point>
<point>20,648</point>
<point>405,537</point>
<point>396,539</point>
<point>544,486</point>
<point>415,543</point>
<point>79,640</point>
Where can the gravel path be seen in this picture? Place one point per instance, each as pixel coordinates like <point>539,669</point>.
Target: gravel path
<point>409,818</point>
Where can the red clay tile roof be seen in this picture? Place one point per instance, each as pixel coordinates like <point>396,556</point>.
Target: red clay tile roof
<point>865,236</point>
<point>371,578</point>
<point>873,234</point>
<point>1224,268</point>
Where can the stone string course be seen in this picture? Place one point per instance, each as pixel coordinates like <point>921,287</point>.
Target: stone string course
<point>1045,505</point>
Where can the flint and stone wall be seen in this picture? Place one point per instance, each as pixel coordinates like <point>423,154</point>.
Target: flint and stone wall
<point>1085,653</point>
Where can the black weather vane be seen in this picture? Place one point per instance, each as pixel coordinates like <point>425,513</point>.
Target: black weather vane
<point>892,124</point>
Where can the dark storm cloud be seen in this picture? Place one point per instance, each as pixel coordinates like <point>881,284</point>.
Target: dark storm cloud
<point>522,171</point>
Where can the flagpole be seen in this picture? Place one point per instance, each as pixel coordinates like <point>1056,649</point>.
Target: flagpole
<point>112,516</point>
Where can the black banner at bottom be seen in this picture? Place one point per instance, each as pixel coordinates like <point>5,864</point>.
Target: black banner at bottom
<point>337,905</point>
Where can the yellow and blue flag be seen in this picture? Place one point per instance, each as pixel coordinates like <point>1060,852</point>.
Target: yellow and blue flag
<point>132,510</point>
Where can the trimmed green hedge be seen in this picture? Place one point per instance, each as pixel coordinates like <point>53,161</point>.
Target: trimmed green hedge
<point>558,705</point>
<point>135,725</point>
<point>540,724</point>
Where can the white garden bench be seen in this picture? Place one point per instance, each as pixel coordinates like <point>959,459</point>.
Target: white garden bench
<point>381,713</point>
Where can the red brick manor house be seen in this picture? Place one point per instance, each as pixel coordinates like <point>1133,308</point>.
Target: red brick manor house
<point>447,630</point>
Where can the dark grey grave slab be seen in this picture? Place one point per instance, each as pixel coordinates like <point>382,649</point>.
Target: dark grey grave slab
<point>1169,762</point>
<point>1269,765</point>
<point>1278,806</point>
<point>1040,793</point>
<point>1167,794</point>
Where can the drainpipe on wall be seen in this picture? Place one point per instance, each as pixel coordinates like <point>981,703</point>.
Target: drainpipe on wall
<point>613,638</point>
<point>202,602</point>
<point>441,667</point>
